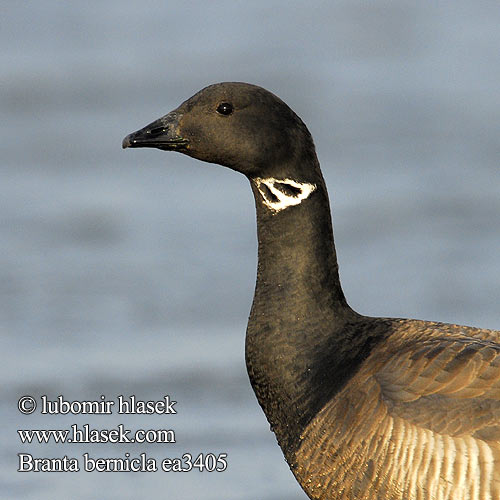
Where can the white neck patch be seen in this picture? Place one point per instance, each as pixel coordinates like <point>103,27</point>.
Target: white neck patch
<point>279,194</point>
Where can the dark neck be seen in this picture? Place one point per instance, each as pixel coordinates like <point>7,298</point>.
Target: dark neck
<point>298,313</point>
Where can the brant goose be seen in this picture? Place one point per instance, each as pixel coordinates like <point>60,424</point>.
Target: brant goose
<point>363,408</point>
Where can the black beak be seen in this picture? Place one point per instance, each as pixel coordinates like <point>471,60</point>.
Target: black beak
<point>162,134</point>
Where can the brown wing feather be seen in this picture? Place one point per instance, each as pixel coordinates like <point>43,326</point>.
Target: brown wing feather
<point>419,421</point>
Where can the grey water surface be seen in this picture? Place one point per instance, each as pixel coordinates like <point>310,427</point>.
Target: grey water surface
<point>132,272</point>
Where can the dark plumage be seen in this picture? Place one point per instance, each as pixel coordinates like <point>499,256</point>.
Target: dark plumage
<point>363,408</point>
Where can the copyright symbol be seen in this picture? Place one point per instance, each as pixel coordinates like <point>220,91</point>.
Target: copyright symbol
<point>26,405</point>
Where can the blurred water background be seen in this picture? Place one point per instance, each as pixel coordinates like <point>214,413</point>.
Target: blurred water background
<point>132,272</point>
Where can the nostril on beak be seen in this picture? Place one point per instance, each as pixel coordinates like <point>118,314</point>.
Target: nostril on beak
<point>157,131</point>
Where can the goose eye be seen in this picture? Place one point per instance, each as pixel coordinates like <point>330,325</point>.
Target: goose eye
<point>225,108</point>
